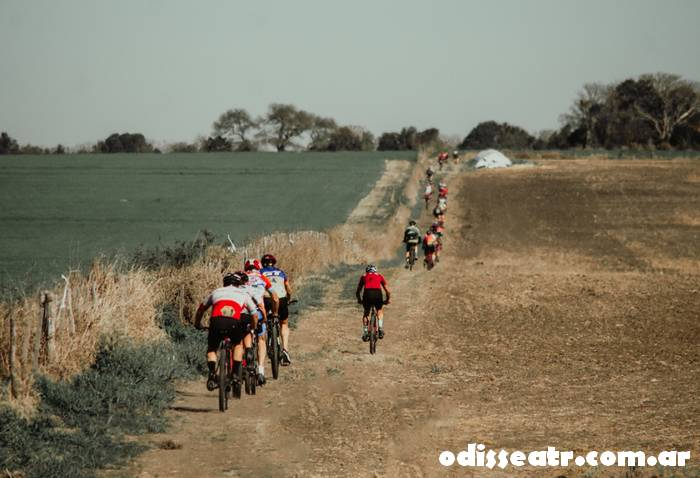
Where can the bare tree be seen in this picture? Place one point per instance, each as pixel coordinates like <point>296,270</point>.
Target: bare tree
<point>675,103</point>
<point>320,132</point>
<point>234,125</point>
<point>587,109</point>
<point>285,122</point>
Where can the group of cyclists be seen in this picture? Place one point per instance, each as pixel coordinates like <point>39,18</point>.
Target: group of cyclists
<point>432,240</point>
<point>240,310</point>
<point>248,297</point>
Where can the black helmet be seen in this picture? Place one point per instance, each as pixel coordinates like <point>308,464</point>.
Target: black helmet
<point>371,268</point>
<point>411,222</point>
<point>268,259</point>
<point>229,279</point>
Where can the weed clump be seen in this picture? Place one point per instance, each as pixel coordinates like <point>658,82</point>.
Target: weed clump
<point>80,423</point>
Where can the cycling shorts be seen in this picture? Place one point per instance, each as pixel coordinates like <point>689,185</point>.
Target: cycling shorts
<point>222,327</point>
<point>372,298</point>
<point>429,249</point>
<point>283,311</point>
<point>410,245</point>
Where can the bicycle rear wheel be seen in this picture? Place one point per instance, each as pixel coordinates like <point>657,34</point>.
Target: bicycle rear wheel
<point>274,350</point>
<point>373,333</point>
<point>222,361</point>
<point>411,259</point>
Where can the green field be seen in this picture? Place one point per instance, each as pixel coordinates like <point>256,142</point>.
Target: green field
<point>61,211</point>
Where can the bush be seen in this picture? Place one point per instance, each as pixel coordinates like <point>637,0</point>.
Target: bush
<point>180,254</point>
<point>80,423</point>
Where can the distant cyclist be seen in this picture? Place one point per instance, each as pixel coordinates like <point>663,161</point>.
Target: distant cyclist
<point>283,289</point>
<point>411,237</point>
<point>455,154</point>
<point>438,230</point>
<point>429,174</point>
<point>259,285</point>
<point>372,282</point>
<point>428,193</point>
<point>429,247</point>
<point>439,214</point>
<point>233,311</point>
<point>442,158</point>
<point>442,190</point>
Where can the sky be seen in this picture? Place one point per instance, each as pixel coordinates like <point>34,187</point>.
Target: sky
<point>75,71</point>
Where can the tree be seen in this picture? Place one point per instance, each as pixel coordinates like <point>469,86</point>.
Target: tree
<point>674,103</point>
<point>218,144</point>
<point>124,143</point>
<point>8,145</point>
<point>428,136</point>
<point>588,111</point>
<point>284,123</point>
<point>60,149</point>
<point>491,134</point>
<point>320,132</point>
<point>389,142</point>
<point>234,125</point>
<point>182,147</point>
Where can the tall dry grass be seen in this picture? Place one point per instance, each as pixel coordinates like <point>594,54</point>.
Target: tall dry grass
<point>111,301</point>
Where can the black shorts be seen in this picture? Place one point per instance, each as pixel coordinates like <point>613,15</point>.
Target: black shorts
<point>410,245</point>
<point>372,298</point>
<point>222,327</point>
<point>429,249</point>
<point>283,311</point>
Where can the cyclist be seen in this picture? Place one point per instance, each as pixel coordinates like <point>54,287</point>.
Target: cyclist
<point>442,158</point>
<point>439,214</point>
<point>429,245</point>
<point>438,231</point>
<point>442,204</point>
<point>281,286</point>
<point>442,190</point>
<point>233,312</point>
<point>428,193</point>
<point>411,237</point>
<point>258,285</point>
<point>372,282</point>
<point>429,174</point>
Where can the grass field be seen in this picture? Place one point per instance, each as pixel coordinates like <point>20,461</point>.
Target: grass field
<point>57,212</point>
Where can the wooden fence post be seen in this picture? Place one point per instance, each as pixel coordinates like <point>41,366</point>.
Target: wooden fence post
<point>13,358</point>
<point>45,345</point>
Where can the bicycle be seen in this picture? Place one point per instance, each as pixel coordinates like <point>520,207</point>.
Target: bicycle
<point>429,261</point>
<point>274,341</point>
<point>373,330</point>
<point>412,257</point>
<point>250,377</point>
<point>228,382</point>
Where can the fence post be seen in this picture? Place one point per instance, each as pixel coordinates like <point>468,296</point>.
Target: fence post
<point>13,358</point>
<point>48,331</point>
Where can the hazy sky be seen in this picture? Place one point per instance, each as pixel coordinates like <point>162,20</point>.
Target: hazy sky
<point>74,71</point>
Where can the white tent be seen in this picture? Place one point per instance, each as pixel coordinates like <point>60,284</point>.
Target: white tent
<point>490,158</point>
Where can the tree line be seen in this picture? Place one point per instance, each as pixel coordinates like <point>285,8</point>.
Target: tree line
<point>651,111</point>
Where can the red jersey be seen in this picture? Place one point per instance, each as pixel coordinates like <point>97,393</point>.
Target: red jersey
<point>372,280</point>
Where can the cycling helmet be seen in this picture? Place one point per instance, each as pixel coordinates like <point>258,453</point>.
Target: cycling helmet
<point>370,268</point>
<point>239,278</point>
<point>434,227</point>
<point>411,222</point>
<point>251,264</point>
<point>268,259</point>
<point>229,279</point>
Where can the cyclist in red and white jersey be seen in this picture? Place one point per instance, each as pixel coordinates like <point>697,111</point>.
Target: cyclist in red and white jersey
<point>258,285</point>
<point>372,282</point>
<point>233,311</point>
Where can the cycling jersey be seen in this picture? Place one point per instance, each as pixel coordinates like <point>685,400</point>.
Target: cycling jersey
<point>230,302</point>
<point>278,278</point>
<point>442,192</point>
<point>442,203</point>
<point>372,280</point>
<point>428,190</point>
<point>257,285</point>
<point>429,240</point>
<point>411,235</point>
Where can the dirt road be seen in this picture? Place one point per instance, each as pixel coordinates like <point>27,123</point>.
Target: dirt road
<point>565,312</point>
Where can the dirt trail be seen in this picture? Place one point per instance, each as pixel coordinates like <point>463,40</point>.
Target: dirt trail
<point>564,313</point>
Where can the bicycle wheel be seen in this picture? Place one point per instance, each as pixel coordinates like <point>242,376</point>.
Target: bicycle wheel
<point>411,259</point>
<point>222,360</point>
<point>373,333</point>
<point>274,350</point>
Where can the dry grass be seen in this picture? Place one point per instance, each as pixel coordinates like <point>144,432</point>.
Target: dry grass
<point>111,301</point>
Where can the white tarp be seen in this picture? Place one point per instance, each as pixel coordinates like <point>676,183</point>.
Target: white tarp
<point>490,158</point>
